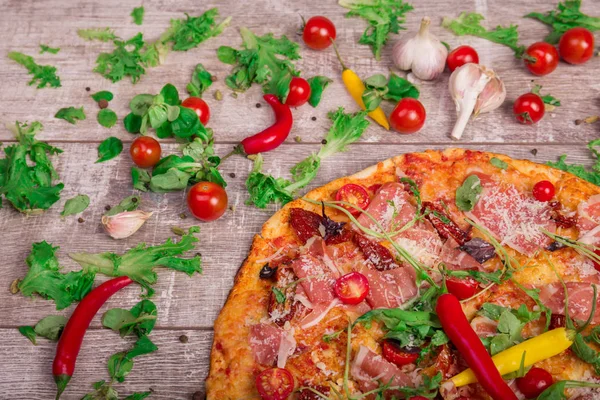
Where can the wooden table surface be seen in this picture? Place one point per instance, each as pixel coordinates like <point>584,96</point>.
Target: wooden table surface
<point>188,306</point>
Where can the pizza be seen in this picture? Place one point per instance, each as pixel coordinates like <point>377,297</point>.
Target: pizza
<point>337,297</point>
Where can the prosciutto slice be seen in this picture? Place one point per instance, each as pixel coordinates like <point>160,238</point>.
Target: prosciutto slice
<point>389,289</point>
<point>368,369</point>
<point>390,207</point>
<point>317,278</point>
<point>588,220</point>
<point>580,294</point>
<point>455,258</point>
<point>270,343</point>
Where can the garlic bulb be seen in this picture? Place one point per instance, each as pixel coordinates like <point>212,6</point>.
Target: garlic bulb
<point>423,53</point>
<point>125,224</point>
<point>475,89</point>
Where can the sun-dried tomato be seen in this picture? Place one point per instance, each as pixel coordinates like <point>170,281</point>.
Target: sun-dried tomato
<point>560,219</point>
<point>345,235</point>
<point>286,310</point>
<point>305,223</point>
<point>445,227</point>
<point>380,256</point>
<point>558,321</point>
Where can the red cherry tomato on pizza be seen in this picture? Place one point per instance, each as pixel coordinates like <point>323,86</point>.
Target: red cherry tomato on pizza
<point>351,288</point>
<point>576,45</point>
<point>529,108</point>
<point>541,58</point>
<point>408,116</point>
<point>199,106</point>
<point>394,354</point>
<point>207,201</point>
<point>535,381</point>
<point>275,384</point>
<point>353,194</point>
<point>460,56</point>
<point>299,92</point>
<point>145,151</point>
<point>463,288</point>
<point>543,191</point>
<point>318,33</point>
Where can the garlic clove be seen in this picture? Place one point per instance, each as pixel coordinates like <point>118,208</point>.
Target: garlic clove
<point>492,96</point>
<point>125,224</point>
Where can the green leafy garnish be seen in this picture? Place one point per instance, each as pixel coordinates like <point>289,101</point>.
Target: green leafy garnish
<point>109,149</point>
<point>138,15</point>
<point>279,296</point>
<point>120,364</point>
<point>384,17</point>
<point>318,84</point>
<point>102,95</point>
<point>264,60</point>
<point>130,203</point>
<point>47,49</point>
<point>566,16</point>
<point>510,324</point>
<point>498,163</point>
<point>557,390</point>
<point>29,333</point>
<point>43,75</point>
<point>201,80</point>
<point>140,178</point>
<point>71,114</point>
<point>139,320</point>
<point>76,205</point>
<point>49,327</point>
<point>378,88</point>
<point>186,34</point>
<point>265,189</point>
<point>581,171</point>
<point>101,34</point>
<point>104,391</point>
<point>468,193</point>
<point>470,24</point>
<point>547,99</point>
<point>124,61</point>
<point>27,174</point>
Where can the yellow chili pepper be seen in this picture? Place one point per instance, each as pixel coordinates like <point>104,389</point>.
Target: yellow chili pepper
<point>536,349</point>
<point>356,88</point>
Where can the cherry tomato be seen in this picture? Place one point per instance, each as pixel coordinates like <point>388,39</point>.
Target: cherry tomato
<point>207,201</point>
<point>541,58</point>
<point>535,381</point>
<point>576,45</point>
<point>460,56</point>
<point>529,108</point>
<point>145,151</point>
<point>318,33</point>
<point>275,384</point>
<point>394,354</point>
<point>408,116</point>
<point>351,288</point>
<point>353,194</point>
<point>463,288</point>
<point>200,106</point>
<point>543,191</point>
<point>299,92</point>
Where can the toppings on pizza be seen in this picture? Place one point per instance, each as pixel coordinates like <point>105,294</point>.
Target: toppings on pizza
<point>368,369</point>
<point>580,296</point>
<point>391,288</point>
<point>352,288</point>
<point>271,344</point>
<point>376,254</point>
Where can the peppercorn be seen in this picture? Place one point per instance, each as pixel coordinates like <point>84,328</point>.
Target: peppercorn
<point>87,89</point>
<point>314,118</point>
<point>324,141</point>
<point>184,339</point>
<point>80,220</point>
<point>103,103</point>
<point>232,175</point>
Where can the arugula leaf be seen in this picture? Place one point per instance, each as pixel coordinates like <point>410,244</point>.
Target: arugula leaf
<point>76,205</point>
<point>186,34</point>
<point>26,174</point>
<point>592,176</point>
<point>29,333</point>
<point>498,163</point>
<point>317,84</point>
<point>384,17</point>
<point>71,114</point>
<point>470,24</point>
<point>44,48</point>
<point>264,60</point>
<point>101,34</point>
<point>102,95</point>
<point>125,60</point>
<point>468,193</point>
<point>120,364</point>
<point>510,324</point>
<point>104,391</point>
<point>140,178</point>
<point>130,203</point>
<point>43,75</point>
<point>557,390</point>
<point>378,88</point>
<point>140,262</point>
<point>566,16</point>
<point>201,80</point>
<point>139,321</point>
<point>109,149</point>
<point>138,15</point>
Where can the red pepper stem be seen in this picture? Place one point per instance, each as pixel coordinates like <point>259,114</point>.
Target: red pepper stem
<point>237,149</point>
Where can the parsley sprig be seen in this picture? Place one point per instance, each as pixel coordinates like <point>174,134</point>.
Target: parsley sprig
<point>566,16</point>
<point>43,75</point>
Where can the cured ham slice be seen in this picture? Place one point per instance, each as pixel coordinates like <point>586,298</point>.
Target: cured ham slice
<point>270,343</point>
<point>422,242</point>
<point>369,369</point>
<point>389,289</point>
<point>390,207</point>
<point>580,294</point>
<point>455,258</point>
<point>483,326</point>
<point>317,279</point>
<point>588,220</point>
<point>513,218</point>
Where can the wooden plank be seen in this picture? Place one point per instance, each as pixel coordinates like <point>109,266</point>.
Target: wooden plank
<point>29,23</point>
<point>175,371</point>
<point>182,301</point>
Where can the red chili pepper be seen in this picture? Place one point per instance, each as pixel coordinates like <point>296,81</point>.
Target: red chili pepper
<point>72,336</point>
<point>459,331</point>
<point>274,135</point>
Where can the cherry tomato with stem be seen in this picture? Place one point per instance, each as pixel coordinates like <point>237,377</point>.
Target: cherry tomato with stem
<point>275,384</point>
<point>145,151</point>
<point>576,46</point>
<point>529,108</point>
<point>460,56</point>
<point>462,288</point>
<point>351,288</point>
<point>396,355</point>
<point>207,201</point>
<point>299,92</point>
<point>199,106</point>
<point>541,58</point>
<point>543,191</point>
<point>408,116</point>
<point>535,381</point>
<point>318,33</point>
<point>353,194</point>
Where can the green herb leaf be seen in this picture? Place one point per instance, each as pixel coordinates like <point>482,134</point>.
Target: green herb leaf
<point>547,99</point>
<point>132,123</point>
<point>318,84</point>
<point>557,390</point>
<point>51,327</point>
<point>43,75</point>
<point>186,34</point>
<point>109,149</point>
<point>170,94</point>
<point>102,95</point>
<point>566,16</point>
<point>139,321</point>
<point>498,163</point>
<point>592,176</point>
<point>399,88</point>
<point>468,194</point>
<point>120,364</point>
<point>279,296</point>
<point>265,189</point>
<point>71,114</point>
<point>201,80</point>
<point>378,88</point>
<point>138,15</point>
<point>47,49</point>
<point>140,104</point>
<point>76,205</point>
<point>130,203</point>
<point>101,34</point>
<point>125,60</point>
<point>29,333</point>
<point>187,123</point>
<point>140,179</point>
<point>107,118</point>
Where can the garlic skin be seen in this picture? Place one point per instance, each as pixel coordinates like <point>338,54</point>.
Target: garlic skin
<point>125,224</point>
<point>475,89</point>
<point>423,53</point>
